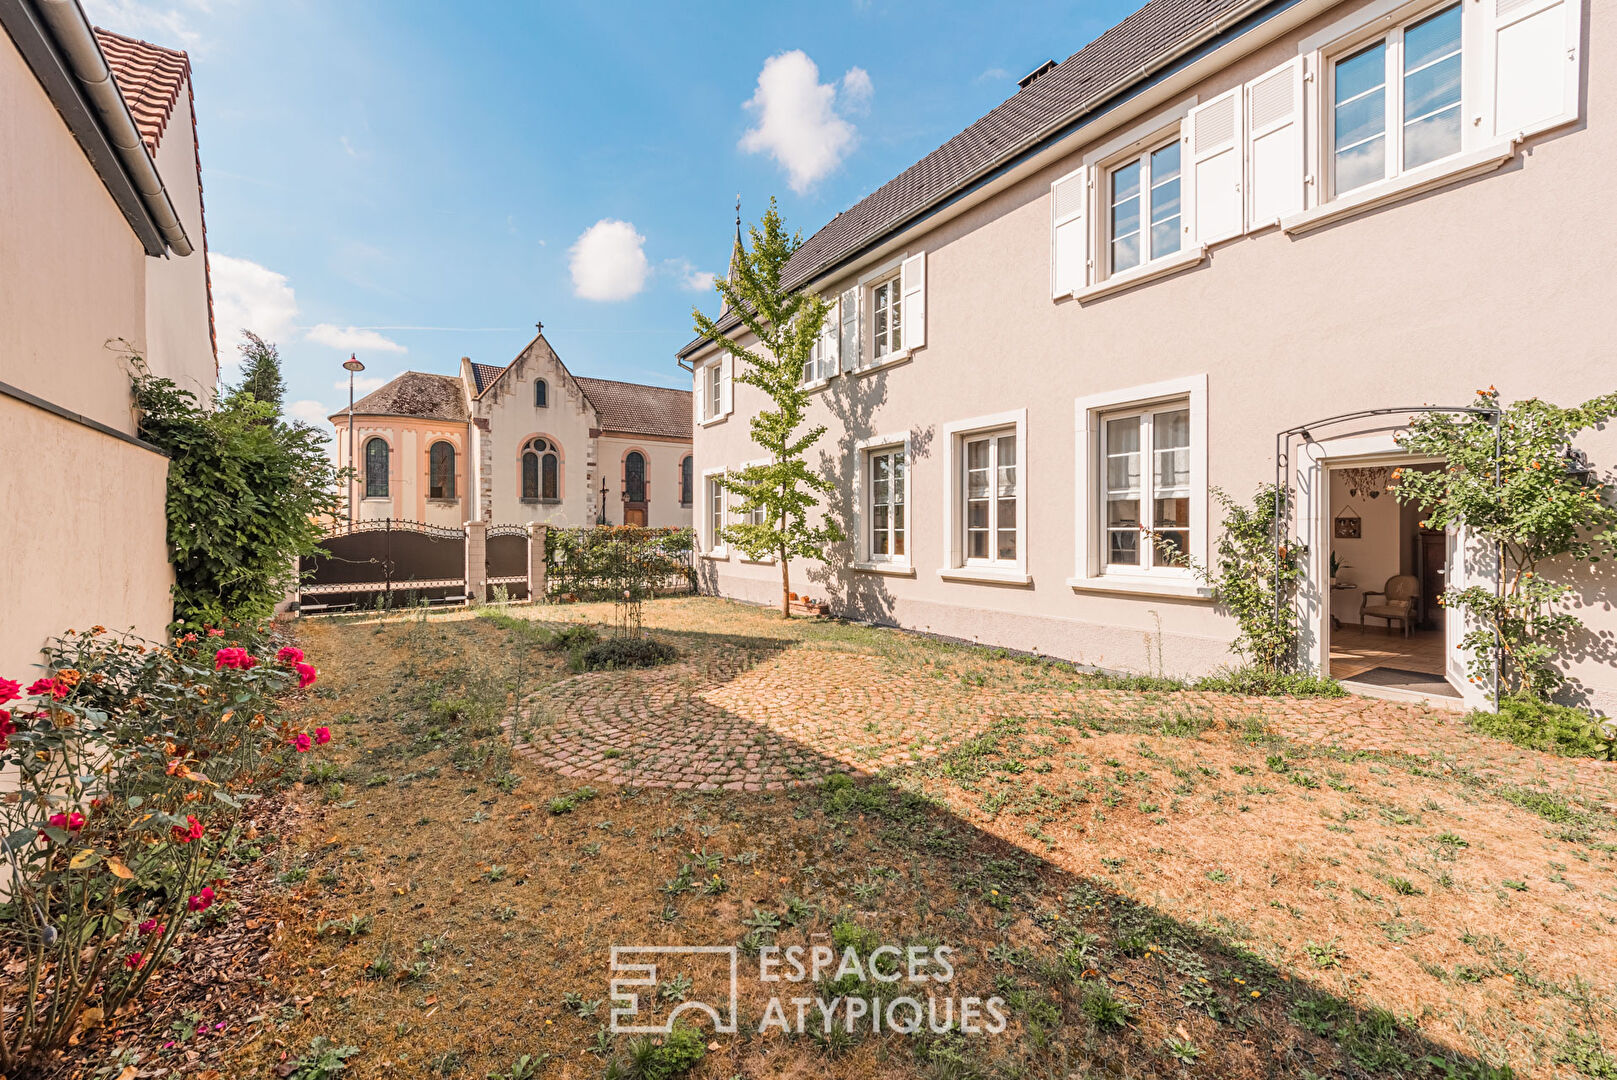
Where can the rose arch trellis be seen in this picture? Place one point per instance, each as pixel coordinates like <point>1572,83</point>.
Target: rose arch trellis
<point>1285,440</point>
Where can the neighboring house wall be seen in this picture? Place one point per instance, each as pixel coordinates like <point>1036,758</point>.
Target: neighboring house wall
<point>84,538</point>
<point>179,344</point>
<point>663,509</point>
<point>72,279</point>
<point>410,441</point>
<point>567,420</point>
<point>1423,300</point>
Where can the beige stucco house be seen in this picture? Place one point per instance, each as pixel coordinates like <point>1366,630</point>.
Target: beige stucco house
<point>527,442</point>
<point>1163,266</point>
<point>102,255</point>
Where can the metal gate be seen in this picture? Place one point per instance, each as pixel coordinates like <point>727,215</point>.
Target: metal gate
<point>385,563</point>
<point>506,556</point>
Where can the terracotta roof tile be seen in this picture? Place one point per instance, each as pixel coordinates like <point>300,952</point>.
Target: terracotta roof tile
<point>484,375</point>
<point>149,77</point>
<point>636,409</point>
<point>415,393</point>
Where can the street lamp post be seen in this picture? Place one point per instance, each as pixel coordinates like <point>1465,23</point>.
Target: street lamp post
<point>353,366</point>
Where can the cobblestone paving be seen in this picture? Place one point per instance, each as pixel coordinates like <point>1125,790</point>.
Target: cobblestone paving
<point>752,719</point>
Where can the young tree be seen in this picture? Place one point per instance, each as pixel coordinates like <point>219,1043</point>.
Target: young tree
<point>1522,488</point>
<point>261,370</point>
<point>776,497</point>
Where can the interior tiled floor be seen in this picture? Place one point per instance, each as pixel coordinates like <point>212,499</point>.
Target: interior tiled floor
<point>1356,649</point>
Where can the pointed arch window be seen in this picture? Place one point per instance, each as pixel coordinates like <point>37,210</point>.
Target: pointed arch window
<point>441,471</point>
<point>634,477</point>
<point>541,394</point>
<point>541,470</point>
<point>376,454</point>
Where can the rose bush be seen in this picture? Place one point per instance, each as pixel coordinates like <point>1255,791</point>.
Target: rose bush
<point>128,767</point>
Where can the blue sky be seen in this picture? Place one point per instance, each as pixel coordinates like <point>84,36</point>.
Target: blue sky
<point>419,181</point>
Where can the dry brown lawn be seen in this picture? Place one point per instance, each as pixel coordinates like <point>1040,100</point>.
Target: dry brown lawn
<point>1263,905</point>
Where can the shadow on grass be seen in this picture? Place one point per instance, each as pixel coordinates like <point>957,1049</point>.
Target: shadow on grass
<point>1094,981</point>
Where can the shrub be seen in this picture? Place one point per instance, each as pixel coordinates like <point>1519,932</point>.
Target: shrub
<point>130,764</point>
<point>626,652</point>
<point>604,562</point>
<point>1543,725</point>
<point>247,494</point>
<point>569,638</point>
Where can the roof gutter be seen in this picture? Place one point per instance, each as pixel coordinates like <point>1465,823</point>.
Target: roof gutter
<point>56,40</point>
<point>1224,30</point>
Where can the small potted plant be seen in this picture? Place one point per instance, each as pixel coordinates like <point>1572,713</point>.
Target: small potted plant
<point>1336,564</point>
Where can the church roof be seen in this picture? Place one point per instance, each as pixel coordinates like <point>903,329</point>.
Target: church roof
<point>484,375</point>
<point>415,393</point>
<point>637,409</point>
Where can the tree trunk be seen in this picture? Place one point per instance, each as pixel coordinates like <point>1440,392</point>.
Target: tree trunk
<point>785,585</point>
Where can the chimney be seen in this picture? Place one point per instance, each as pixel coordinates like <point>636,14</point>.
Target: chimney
<point>1027,80</point>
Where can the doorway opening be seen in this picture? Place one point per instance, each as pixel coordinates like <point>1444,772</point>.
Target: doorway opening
<point>1386,627</point>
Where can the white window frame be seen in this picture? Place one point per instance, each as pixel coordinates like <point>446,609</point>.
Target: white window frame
<point>867,559</point>
<point>825,367</point>
<point>716,547</point>
<point>889,272</point>
<point>1091,573</point>
<point>1393,169</point>
<point>956,567</point>
<point>713,389</point>
<point>741,518</point>
<point>1142,156</point>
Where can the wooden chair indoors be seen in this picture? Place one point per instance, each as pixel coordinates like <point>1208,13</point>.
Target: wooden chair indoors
<point>1397,602</point>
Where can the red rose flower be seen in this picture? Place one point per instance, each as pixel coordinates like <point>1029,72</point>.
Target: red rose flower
<point>11,690</point>
<point>192,831</point>
<point>202,901</point>
<point>306,674</point>
<point>289,654</point>
<point>152,926</point>
<point>134,960</point>
<point>302,742</point>
<point>56,688</point>
<point>7,728</point>
<point>322,735</point>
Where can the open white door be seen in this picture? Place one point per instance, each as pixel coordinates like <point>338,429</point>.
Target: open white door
<point>1470,562</point>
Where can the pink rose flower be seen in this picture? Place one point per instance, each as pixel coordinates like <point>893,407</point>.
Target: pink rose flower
<point>192,831</point>
<point>302,742</point>
<point>289,654</point>
<point>322,735</point>
<point>306,674</point>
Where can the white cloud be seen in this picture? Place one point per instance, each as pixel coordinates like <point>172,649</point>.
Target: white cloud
<point>797,119</point>
<point>247,296</point>
<point>165,22</point>
<point>688,276</point>
<point>363,384</point>
<point>608,261</point>
<point>352,338</point>
<point>310,412</point>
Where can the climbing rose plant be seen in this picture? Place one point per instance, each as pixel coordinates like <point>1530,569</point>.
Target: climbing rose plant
<point>1544,513</point>
<point>127,767</point>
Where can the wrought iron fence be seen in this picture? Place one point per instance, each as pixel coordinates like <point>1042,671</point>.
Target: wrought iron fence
<point>606,562</point>
<point>384,563</point>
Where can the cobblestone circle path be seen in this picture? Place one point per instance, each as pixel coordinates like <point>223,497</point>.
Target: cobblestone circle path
<point>763,719</point>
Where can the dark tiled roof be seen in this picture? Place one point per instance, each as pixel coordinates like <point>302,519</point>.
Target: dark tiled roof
<point>484,375</point>
<point>415,393</point>
<point>1122,55</point>
<point>149,77</point>
<point>637,409</point>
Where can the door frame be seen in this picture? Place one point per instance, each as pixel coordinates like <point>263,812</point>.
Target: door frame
<point>1311,494</point>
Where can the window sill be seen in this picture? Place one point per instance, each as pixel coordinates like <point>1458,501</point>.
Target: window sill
<point>892,569</point>
<point>715,556</point>
<point>768,560</point>
<point>1141,586</point>
<point>890,360</point>
<point>710,421</point>
<point>986,575</point>
<point>1386,192</point>
<point>1157,268</point>
<point>816,386</point>
<point>450,501</point>
<point>377,499</point>
<point>540,502</point>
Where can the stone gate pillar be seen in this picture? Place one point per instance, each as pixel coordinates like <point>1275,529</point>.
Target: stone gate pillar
<point>477,562</point>
<point>537,535</point>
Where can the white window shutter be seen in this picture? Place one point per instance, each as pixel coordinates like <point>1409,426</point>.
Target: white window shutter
<point>727,398</point>
<point>1274,144</point>
<point>1533,48</point>
<point>1069,248</point>
<point>831,341</point>
<point>912,287</point>
<point>701,394</point>
<point>852,348</point>
<point>1216,149</point>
